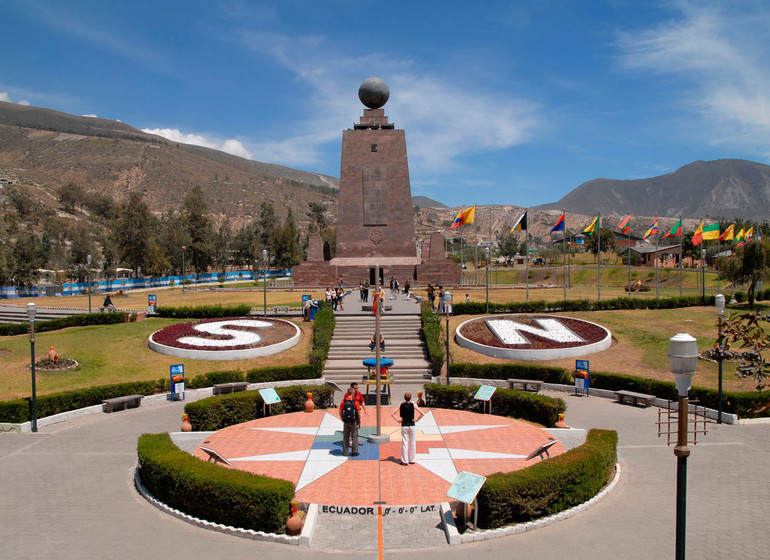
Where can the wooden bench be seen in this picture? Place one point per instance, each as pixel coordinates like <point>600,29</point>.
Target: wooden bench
<point>283,308</point>
<point>533,385</point>
<point>222,388</point>
<point>122,403</point>
<point>634,398</point>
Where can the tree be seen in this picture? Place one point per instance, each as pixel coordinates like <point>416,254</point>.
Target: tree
<point>172,236</point>
<point>286,244</point>
<point>7,263</point>
<point>317,215</point>
<point>133,231</point>
<point>71,195</point>
<point>506,241</point>
<point>749,264</point>
<point>607,237</point>
<point>222,244</point>
<point>27,258</point>
<point>194,212</point>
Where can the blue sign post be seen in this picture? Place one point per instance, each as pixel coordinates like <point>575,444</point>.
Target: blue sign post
<point>582,376</point>
<point>151,303</point>
<point>177,381</point>
<point>484,394</point>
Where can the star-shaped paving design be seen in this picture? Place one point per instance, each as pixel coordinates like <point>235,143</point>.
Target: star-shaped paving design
<point>307,449</point>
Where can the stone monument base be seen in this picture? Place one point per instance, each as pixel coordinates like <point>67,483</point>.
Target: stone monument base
<point>323,274</point>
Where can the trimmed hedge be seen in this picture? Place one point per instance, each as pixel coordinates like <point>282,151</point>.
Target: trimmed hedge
<point>80,320</point>
<point>744,404</point>
<point>212,492</point>
<point>431,331</point>
<point>268,374</point>
<point>480,308</point>
<point>507,402</point>
<point>203,312</point>
<point>218,412</point>
<point>512,371</point>
<point>323,329</point>
<point>550,486</point>
<point>212,378</point>
<point>20,410</point>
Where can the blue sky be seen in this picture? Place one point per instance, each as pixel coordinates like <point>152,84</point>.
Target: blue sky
<point>502,102</point>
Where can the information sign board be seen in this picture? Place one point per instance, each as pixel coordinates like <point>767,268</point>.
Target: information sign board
<point>269,396</point>
<point>485,392</point>
<point>151,303</point>
<point>465,487</point>
<point>177,381</point>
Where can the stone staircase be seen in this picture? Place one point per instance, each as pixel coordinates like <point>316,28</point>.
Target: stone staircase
<point>403,344</point>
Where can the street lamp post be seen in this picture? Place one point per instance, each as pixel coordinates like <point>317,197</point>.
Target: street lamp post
<point>683,361</point>
<point>183,267</point>
<point>88,260</point>
<point>447,309</point>
<point>719,301</point>
<point>264,280</point>
<point>31,310</point>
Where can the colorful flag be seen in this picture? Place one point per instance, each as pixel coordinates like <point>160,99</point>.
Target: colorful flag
<point>675,231</point>
<point>458,220</point>
<point>560,224</point>
<point>739,237</point>
<point>652,230</point>
<point>521,224</point>
<point>469,216</point>
<point>728,234</point>
<point>711,232</point>
<point>625,225</point>
<point>697,236</point>
<point>594,227</point>
<point>750,234</point>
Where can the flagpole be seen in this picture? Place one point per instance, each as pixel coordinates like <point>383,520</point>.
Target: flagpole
<point>462,260</point>
<point>716,264</point>
<point>628,253</point>
<point>681,262</point>
<point>657,292</point>
<point>526,251</point>
<point>599,257</point>
<point>564,251</point>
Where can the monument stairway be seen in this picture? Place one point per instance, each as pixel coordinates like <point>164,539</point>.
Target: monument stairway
<point>403,344</point>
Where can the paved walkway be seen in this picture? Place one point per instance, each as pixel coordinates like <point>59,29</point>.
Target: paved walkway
<point>67,492</point>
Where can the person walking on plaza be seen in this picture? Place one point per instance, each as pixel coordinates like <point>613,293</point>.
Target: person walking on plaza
<point>406,415</point>
<point>432,297</point>
<point>349,414</point>
<point>406,290</point>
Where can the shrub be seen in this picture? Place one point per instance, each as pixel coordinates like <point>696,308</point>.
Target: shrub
<point>209,491</point>
<point>203,312</point>
<point>221,411</point>
<point>80,320</point>
<point>509,371</point>
<point>431,331</point>
<point>323,329</point>
<point>214,377</point>
<point>550,486</point>
<point>507,402</point>
<point>739,296</point>
<point>477,308</point>
<point>265,375</point>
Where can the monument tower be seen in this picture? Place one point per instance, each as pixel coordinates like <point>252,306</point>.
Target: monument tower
<point>375,225</point>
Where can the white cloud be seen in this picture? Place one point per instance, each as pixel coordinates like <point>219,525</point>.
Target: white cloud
<point>720,54</point>
<point>91,116</point>
<point>7,98</point>
<point>230,146</point>
<point>444,120</point>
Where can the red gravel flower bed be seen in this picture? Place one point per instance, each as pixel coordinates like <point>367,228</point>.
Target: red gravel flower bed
<point>277,332</point>
<point>478,331</point>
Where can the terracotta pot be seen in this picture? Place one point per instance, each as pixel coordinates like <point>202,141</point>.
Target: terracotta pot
<point>420,402</point>
<point>560,423</point>
<point>186,426</point>
<point>309,404</point>
<point>463,513</point>
<point>294,523</point>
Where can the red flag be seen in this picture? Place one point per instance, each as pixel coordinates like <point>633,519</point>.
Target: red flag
<point>374,303</point>
<point>625,225</point>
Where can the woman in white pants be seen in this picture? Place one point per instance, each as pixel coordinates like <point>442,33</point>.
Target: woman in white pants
<point>406,415</point>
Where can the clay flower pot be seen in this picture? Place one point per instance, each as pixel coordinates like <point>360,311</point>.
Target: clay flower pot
<point>560,423</point>
<point>309,404</point>
<point>186,426</point>
<point>294,523</point>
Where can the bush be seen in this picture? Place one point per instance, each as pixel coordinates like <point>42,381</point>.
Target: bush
<point>740,296</point>
<point>511,371</point>
<point>80,320</point>
<point>478,308</point>
<point>266,375</point>
<point>221,411</point>
<point>507,402</point>
<point>431,331</point>
<point>209,491</point>
<point>323,329</point>
<point>550,486</point>
<point>203,312</point>
<point>213,378</point>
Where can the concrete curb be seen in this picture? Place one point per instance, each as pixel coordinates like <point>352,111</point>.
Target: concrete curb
<point>226,529</point>
<point>537,523</point>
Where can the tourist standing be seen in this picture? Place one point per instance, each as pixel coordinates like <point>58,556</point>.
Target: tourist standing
<point>432,297</point>
<point>406,290</point>
<point>349,414</point>
<point>406,415</point>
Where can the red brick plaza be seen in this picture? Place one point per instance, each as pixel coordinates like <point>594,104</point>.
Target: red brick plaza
<point>306,449</point>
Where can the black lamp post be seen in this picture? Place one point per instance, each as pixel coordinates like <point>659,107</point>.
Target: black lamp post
<point>447,308</point>
<point>31,310</point>
<point>183,267</point>
<point>487,279</point>
<point>264,281</point>
<point>703,274</point>
<point>88,260</point>
<point>683,361</point>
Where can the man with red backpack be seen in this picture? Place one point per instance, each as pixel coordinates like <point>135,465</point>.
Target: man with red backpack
<point>349,414</point>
